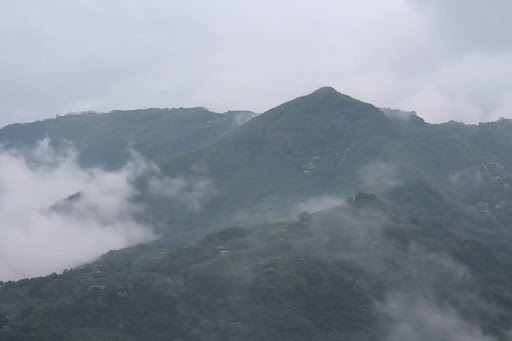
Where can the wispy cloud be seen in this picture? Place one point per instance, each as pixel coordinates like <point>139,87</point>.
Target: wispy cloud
<point>420,319</point>
<point>379,176</point>
<point>37,240</point>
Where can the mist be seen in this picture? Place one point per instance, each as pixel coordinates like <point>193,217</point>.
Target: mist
<point>426,295</point>
<point>419,319</point>
<point>41,232</point>
<point>193,190</point>
<point>316,204</point>
<point>379,176</point>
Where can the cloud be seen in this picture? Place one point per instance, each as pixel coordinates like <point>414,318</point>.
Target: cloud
<point>379,176</point>
<point>35,239</point>
<point>471,88</point>
<point>193,190</point>
<point>479,27</point>
<point>316,204</point>
<point>420,295</point>
<point>426,295</point>
<point>59,56</point>
<point>420,319</point>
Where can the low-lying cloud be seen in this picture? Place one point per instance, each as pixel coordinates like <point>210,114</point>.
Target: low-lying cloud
<point>192,190</point>
<point>426,295</point>
<point>317,204</point>
<point>420,319</point>
<point>379,176</point>
<point>36,238</point>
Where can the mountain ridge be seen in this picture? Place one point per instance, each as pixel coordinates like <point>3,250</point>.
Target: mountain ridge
<point>104,139</point>
<point>327,220</point>
<point>326,143</point>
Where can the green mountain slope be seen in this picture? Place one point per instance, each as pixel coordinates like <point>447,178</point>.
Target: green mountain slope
<point>438,244</point>
<point>329,144</point>
<point>104,139</point>
<point>334,274</point>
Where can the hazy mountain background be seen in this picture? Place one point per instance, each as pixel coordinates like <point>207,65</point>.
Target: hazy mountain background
<point>406,236</point>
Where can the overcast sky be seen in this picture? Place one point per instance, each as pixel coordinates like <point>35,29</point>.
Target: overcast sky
<point>444,59</point>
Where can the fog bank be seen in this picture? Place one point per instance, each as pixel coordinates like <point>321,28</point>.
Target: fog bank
<point>41,232</point>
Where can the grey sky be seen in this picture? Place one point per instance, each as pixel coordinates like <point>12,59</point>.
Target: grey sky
<point>444,59</point>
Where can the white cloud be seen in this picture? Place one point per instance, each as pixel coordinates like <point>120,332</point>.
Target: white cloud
<point>36,240</point>
<point>316,204</point>
<point>193,190</point>
<point>379,176</point>
<point>61,56</point>
<point>416,318</point>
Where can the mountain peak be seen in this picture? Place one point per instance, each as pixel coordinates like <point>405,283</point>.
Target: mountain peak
<point>329,92</point>
<point>325,90</point>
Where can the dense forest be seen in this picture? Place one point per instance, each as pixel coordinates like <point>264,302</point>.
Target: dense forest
<point>324,218</point>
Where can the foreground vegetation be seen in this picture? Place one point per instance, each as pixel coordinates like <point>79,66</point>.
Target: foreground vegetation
<point>321,277</point>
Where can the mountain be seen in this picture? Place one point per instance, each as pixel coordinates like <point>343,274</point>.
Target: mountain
<point>281,247</point>
<point>324,144</point>
<point>105,139</point>
<point>359,271</point>
<point>329,144</point>
<point>310,146</point>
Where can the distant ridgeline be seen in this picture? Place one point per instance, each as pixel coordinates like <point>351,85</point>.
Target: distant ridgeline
<point>82,113</point>
<point>105,138</point>
<point>434,237</point>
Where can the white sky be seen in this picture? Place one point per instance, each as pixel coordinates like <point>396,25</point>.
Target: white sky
<point>444,59</point>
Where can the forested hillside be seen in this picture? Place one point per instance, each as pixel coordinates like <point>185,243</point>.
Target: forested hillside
<point>106,139</point>
<point>348,272</point>
<point>324,218</point>
<point>329,144</point>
